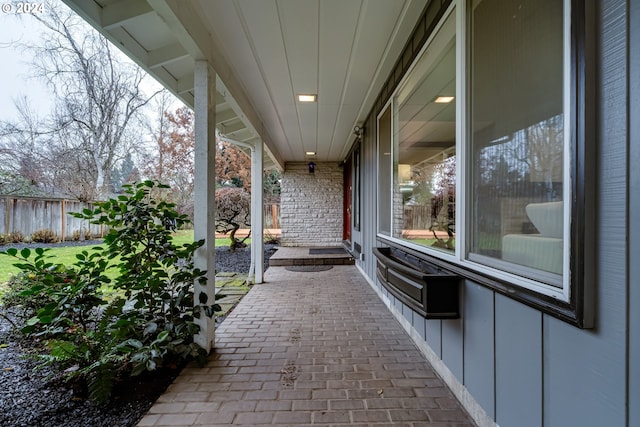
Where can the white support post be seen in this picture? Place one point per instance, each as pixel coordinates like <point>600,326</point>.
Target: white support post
<point>257,212</point>
<point>204,193</point>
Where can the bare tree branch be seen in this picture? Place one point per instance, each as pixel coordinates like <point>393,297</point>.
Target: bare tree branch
<point>98,114</point>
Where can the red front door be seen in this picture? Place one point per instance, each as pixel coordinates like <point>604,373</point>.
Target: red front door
<point>346,225</point>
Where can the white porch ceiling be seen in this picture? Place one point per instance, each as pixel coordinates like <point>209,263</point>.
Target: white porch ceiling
<point>265,52</point>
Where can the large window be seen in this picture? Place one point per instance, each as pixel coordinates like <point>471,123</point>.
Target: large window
<point>420,155</point>
<point>425,146</point>
<point>478,147</point>
<point>517,137</point>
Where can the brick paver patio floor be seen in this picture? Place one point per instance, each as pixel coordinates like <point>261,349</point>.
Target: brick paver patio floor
<point>310,348</point>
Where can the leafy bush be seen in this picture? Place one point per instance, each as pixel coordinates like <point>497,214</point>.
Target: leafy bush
<point>77,234</point>
<point>151,321</point>
<point>15,237</point>
<point>19,295</point>
<point>44,236</point>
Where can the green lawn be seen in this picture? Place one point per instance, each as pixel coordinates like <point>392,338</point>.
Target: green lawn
<point>423,242</point>
<point>67,255</point>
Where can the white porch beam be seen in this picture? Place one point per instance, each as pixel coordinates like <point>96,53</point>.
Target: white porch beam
<point>242,135</point>
<point>187,98</point>
<point>128,43</point>
<point>225,115</point>
<point>187,83</point>
<point>204,193</point>
<point>118,14</point>
<point>232,126</point>
<point>165,55</point>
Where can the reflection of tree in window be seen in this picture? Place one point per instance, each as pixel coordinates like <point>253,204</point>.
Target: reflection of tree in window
<point>514,170</point>
<point>528,162</point>
<point>435,188</point>
<point>545,142</point>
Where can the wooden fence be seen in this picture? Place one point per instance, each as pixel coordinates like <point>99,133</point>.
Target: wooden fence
<point>417,217</point>
<point>271,216</point>
<point>29,214</point>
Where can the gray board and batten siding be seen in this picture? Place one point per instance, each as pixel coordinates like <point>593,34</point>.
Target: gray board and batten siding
<point>525,367</point>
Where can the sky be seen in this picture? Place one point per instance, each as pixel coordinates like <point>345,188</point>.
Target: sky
<point>15,79</point>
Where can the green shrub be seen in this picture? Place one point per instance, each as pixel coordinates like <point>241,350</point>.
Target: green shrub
<point>156,277</point>
<point>22,297</point>
<point>63,298</point>
<point>151,321</point>
<point>44,236</point>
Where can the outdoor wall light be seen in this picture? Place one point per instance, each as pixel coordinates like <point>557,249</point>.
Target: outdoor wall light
<point>357,131</point>
<point>312,167</point>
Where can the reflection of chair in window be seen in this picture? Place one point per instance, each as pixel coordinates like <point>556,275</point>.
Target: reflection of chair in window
<point>544,250</point>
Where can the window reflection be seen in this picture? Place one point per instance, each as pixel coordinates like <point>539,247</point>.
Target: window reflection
<point>518,135</point>
<point>424,202</point>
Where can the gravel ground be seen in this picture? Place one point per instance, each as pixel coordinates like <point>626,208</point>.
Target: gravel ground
<point>29,399</point>
<point>240,260</point>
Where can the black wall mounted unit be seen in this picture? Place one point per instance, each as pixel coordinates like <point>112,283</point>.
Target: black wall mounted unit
<point>425,288</point>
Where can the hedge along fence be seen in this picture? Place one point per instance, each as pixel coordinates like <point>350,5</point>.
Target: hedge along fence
<point>29,214</point>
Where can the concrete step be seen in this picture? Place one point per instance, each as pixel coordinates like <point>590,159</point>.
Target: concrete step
<point>290,256</point>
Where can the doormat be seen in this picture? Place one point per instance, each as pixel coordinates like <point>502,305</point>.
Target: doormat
<point>308,268</point>
<point>327,251</point>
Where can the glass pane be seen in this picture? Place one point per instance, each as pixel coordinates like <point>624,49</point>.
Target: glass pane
<point>384,172</point>
<point>517,145</point>
<point>424,180</point>
<point>356,189</point>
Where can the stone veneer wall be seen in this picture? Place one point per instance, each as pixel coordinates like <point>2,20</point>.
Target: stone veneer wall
<point>311,205</point>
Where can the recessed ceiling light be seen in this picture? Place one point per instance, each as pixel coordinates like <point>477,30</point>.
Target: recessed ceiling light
<point>310,153</point>
<point>444,99</point>
<point>307,97</point>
